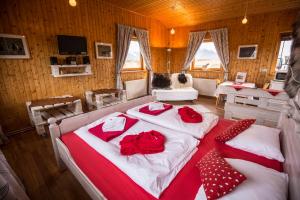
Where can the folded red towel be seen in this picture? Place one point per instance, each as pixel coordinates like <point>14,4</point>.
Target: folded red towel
<point>106,136</point>
<point>237,87</point>
<point>144,143</point>
<point>146,110</point>
<point>274,92</point>
<point>189,115</point>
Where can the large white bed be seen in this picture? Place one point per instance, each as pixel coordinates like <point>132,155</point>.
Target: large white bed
<point>290,145</point>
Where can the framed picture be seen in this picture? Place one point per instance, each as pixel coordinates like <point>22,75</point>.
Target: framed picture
<point>240,77</point>
<point>13,47</point>
<point>103,50</point>
<point>247,51</point>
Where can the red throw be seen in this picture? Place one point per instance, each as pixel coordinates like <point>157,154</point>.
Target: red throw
<point>237,87</point>
<point>189,115</point>
<point>273,92</point>
<point>143,143</point>
<point>155,112</point>
<point>106,136</point>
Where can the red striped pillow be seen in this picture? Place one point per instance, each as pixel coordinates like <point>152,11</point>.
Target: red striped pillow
<point>217,176</point>
<point>234,130</point>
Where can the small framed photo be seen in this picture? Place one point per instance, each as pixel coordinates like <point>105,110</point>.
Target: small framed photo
<point>13,47</point>
<point>247,51</point>
<point>103,50</point>
<point>240,77</point>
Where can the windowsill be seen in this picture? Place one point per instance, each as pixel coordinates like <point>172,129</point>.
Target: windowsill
<point>206,70</point>
<point>133,70</point>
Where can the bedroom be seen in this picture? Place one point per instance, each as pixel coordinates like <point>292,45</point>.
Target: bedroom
<point>101,71</point>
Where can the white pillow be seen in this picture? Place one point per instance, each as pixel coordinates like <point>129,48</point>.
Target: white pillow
<point>260,140</point>
<point>261,183</point>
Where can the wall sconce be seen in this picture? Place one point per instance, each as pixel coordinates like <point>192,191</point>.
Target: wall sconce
<point>72,3</point>
<point>172,31</point>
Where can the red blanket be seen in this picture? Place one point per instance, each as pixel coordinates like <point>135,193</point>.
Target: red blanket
<point>114,184</point>
<point>106,136</point>
<point>189,115</point>
<point>146,110</point>
<point>143,143</point>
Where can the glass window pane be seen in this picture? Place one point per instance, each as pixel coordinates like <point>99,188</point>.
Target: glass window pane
<point>207,57</point>
<point>133,59</point>
<point>284,55</point>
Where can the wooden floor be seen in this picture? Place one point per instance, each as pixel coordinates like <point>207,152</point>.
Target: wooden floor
<point>32,158</point>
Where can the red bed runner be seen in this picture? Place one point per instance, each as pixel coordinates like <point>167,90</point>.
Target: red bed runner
<point>112,182</point>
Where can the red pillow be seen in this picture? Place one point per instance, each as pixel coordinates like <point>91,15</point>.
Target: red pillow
<point>234,130</point>
<point>217,176</point>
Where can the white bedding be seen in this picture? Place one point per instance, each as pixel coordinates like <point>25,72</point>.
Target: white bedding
<point>262,183</point>
<point>153,172</point>
<point>171,119</point>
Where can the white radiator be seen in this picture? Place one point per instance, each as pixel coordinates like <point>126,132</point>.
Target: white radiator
<point>204,86</point>
<point>136,88</point>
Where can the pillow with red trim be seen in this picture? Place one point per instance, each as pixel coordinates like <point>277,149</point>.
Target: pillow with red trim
<point>217,176</point>
<point>234,130</point>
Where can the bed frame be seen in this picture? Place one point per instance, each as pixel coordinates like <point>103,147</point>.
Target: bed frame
<point>289,122</point>
<point>62,154</point>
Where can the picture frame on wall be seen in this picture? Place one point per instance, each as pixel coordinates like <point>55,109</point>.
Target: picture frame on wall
<point>247,51</point>
<point>240,77</point>
<point>13,47</point>
<point>103,50</point>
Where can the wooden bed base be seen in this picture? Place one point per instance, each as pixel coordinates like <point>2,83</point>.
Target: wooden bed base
<point>289,123</point>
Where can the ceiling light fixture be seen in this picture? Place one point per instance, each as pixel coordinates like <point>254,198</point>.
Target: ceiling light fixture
<point>245,20</point>
<point>172,31</point>
<point>72,3</point>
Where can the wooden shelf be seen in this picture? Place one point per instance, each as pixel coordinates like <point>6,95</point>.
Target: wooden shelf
<point>56,70</point>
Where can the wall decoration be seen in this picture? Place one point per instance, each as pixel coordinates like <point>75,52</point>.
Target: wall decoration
<point>247,51</point>
<point>13,47</point>
<point>103,50</point>
<point>240,77</point>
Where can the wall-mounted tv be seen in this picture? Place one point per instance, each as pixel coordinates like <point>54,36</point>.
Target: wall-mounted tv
<point>71,45</point>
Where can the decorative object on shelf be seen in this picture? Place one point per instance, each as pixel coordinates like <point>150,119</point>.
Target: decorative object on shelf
<point>40,111</point>
<point>71,60</point>
<point>104,97</point>
<point>13,47</point>
<point>240,77</point>
<point>103,50</point>
<point>86,60</point>
<point>247,51</point>
<point>53,60</point>
<point>245,20</point>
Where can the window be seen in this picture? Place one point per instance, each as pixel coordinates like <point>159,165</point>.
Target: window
<point>134,59</point>
<point>284,51</point>
<point>207,57</point>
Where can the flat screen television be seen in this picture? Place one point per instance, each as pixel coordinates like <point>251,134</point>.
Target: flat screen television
<point>71,45</point>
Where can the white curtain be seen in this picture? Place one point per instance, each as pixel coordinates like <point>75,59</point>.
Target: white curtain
<point>123,41</point>
<point>195,40</point>
<point>143,39</point>
<point>220,39</point>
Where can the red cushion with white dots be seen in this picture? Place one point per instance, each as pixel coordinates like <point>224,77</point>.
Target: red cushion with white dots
<point>234,130</point>
<point>217,176</point>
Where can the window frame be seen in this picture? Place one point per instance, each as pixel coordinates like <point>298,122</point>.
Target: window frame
<point>194,68</point>
<point>142,68</point>
<point>282,35</point>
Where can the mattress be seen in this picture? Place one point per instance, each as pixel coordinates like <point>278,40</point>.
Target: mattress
<point>178,94</point>
<point>171,119</point>
<point>110,180</point>
<point>153,172</point>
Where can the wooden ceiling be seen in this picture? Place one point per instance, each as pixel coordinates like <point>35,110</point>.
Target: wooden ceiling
<point>174,13</point>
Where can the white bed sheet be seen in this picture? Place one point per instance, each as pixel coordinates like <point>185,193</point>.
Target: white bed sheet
<point>153,172</point>
<point>171,119</point>
<point>262,183</point>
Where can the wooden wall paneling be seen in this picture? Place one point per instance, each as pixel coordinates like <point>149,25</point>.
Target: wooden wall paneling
<point>40,21</point>
<point>263,29</point>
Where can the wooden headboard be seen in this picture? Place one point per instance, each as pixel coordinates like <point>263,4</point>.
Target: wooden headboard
<point>290,124</point>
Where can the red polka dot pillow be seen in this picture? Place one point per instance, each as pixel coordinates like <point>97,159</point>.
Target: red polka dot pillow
<point>234,130</point>
<point>217,176</point>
